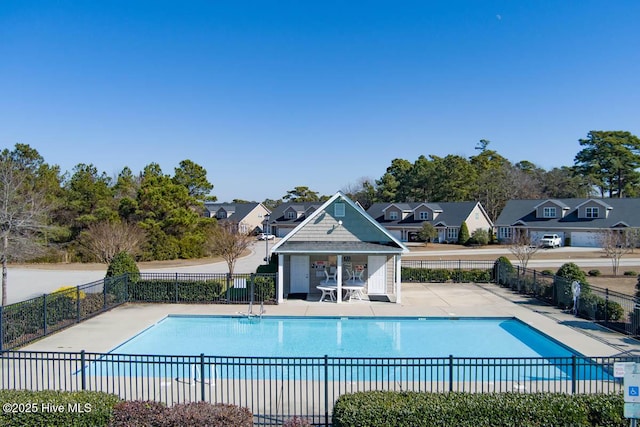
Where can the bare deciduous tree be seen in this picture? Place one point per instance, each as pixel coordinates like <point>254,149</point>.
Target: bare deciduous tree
<point>23,214</point>
<point>107,238</point>
<point>227,242</point>
<point>615,244</point>
<point>522,246</point>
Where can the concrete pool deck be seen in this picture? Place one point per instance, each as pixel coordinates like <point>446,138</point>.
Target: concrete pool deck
<point>103,333</point>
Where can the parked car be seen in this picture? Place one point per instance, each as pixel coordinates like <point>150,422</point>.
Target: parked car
<point>550,241</point>
<point>266,236</point>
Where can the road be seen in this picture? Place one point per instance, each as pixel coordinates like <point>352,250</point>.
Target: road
<point>25,283</point>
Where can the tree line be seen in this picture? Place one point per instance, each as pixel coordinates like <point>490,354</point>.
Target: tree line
<point>85,215</point>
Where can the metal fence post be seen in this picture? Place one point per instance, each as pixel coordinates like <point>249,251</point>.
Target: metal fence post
<point>252,278</point>
<point>78,304</point>
<point>201,377</point>
<point>1,329</point>
<point>82,370</point>
<point>105,284</point>
<point>44,314</point>
<point>574,371</point>
<point>450,372</point>
<point>606,306</point>
<point>175,289</point>
<point>326,390</point>
<point>228,291</point>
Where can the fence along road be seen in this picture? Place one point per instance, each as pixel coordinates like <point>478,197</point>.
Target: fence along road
<point>26,283</point>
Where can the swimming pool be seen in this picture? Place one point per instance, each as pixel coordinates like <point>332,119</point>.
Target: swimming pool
<point>345,349</point>
<point>342,337</point>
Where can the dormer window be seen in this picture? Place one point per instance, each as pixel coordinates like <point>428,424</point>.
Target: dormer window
<point>549,212</point>
<point>423,215</point>
<point>291,215</point>
<point>221,214</point>
<point>393,215</point>
<point>591,212</point>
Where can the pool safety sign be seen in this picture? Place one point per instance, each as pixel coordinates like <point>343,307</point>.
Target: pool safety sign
<point>632,391</point>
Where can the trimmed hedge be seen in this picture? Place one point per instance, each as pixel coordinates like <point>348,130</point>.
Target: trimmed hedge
<point>400,409</point>
<point>164,290</point>
<point>56,408</point>
<point>440,275</point>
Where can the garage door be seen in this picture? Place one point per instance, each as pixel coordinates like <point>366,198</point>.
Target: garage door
<point>585,239</point>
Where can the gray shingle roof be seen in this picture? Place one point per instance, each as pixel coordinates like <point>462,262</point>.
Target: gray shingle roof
<point>338,247</point>
<point>240,210</point>
<point>623,211</point>
<point>451,213</point>
<point>278,217</point>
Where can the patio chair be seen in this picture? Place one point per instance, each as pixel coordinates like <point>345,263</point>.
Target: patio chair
<point>330,279</point>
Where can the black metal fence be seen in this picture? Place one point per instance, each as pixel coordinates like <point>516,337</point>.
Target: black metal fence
<point>438,271</point>
<point>613,310</point>
<point>276,389</point>
<point>26,321</point>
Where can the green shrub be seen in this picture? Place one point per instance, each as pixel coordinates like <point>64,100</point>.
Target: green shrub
<point>463,234</point>
<point>96,408</point>
<point>594,273</point>
<point>503,270</point>
<point>479,237</point>
<point>630,273</point>
<point>164,290</point>
<point>475,276</point>
<point>546,273</point>
<point>570,272</point>
<point>123,263</point>
<point>593,306</point>
<point>399,409</point>
<point>425,275</point>
<point>264,288</point>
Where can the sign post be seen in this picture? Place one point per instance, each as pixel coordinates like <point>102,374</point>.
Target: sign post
<point>631,390</point>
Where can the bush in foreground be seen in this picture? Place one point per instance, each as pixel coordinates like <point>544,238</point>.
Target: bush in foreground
<point>400,409</point>
<point>196,414</point>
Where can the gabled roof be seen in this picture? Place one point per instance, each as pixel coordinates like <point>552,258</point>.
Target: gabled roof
<point>278,217</point>
<point>518,212</point>
<point>556,202</point>
<point>236,211</point>
<point>598,201</point>
<point>389,244</point>
<point>451,213</point>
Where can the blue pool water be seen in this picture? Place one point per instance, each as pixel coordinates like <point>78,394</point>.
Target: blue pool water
<point>342,337</point>
<point>358,348</point>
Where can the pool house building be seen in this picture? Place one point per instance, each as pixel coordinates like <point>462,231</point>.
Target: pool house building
<point>340,241</point>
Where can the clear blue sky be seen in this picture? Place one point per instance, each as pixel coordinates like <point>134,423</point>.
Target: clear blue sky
<point>269,95</point>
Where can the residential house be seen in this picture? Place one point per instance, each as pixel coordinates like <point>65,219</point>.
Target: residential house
<point>250,217</point>
<point>337,235</point>
<point>288,216</point>
<point>404,220</point>
<point>579,222</point>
